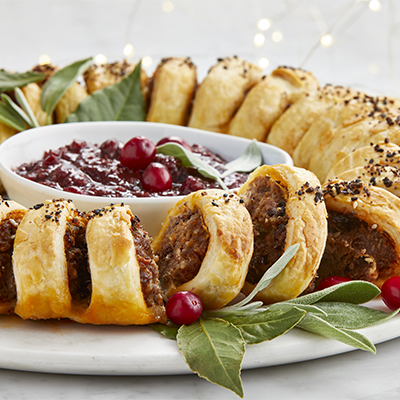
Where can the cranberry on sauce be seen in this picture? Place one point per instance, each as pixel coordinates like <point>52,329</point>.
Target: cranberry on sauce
<point>156,178</point>
<point>137,153</point>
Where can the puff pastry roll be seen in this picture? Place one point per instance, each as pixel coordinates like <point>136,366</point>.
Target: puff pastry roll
<point>204,246</point>
<point>290,127</point>
<point>11,214</point>
<point>100,76</point>
<point>70,101</point>
<point>268,99</point>
<point>355,133</point>
<point>363,232</point>
<point>172,89</point>
<point>220,94</point>
<point>286,206</point>
<point>335,116</point>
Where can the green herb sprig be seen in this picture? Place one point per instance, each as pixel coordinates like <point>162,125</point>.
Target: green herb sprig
<point>214,346</point>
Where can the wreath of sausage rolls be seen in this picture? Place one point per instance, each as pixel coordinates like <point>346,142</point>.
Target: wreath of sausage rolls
<point>363,232</point>
<point>95,267</point>
<point>172,89</point>
<point>268,99</point>
<point>204,246</point>
<point>221,93</point>
<point>286,207</point>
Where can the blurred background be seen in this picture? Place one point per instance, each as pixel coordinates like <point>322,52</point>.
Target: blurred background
<point>345,42</point>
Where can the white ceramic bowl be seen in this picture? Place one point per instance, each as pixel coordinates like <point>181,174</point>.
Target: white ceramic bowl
<point>30,145</point>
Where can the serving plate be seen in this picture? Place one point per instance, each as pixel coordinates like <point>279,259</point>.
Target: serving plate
<point>30,145</point>
<point>72,348</point>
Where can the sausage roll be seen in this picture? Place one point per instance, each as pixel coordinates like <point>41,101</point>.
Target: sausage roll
<point>204,246</point>
<point>268,99</point>
<point>361,104</point>
<point>221,93</point>
<point>363,232</point>
<point>290,127</point>
<point>172,89</point>
<point>70,101</point>
<point>287,208</point>
<point>356,132</point>
<point>11,214</point>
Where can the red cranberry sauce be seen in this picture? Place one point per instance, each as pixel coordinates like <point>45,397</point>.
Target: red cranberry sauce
<point>96,170</point>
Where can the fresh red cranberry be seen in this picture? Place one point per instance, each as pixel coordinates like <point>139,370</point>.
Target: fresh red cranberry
<point>175,139</point>
<point>137,153</point>
<point>156,178</point>
<point>183,308</point>
<point>331,281</point>
<point>390,292</point>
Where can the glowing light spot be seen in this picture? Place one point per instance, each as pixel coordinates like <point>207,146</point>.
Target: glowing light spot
<point>259,39</point>
<point>147,61</point>
<point>375,5</point>
<point>100,59</point>
<point>326,40</point>
<point>263,62</point>
<point>129,51</point>
<point>168,6</point>
<point>44,59</point>
<point>264,24</point>
<point>277,36</point>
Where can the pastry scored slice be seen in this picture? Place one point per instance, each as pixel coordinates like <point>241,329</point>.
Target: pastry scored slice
<point>204,246</point>
<point>287,208</point>
<point>172,89</point>
<point>363,232</point>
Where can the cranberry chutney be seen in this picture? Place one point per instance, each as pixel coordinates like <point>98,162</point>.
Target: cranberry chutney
<point>96,169</point>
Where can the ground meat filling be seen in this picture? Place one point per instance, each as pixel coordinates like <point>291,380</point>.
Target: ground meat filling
<point>148,268</point>
<point>76,252</point>
<point>183,248</point>
<point>356,250</point>
<point>266,204</point>
<point>8,228</point>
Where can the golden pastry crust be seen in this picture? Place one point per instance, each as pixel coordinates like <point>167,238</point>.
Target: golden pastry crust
<point>220,94</point>
<point>224,228</point>
<point>33,93</point>
<point>287,199</point>
<point>376,246</point>
<point>333,118</point>
<point>117,296</point>
<point>290,127</point>
<point>354,133</point>
<point>40,266</point>
<point>268,99</point>
<point>173,86</point>
<point>70,101</point>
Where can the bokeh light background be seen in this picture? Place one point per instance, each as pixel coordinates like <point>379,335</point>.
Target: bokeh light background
<point>352,43</point>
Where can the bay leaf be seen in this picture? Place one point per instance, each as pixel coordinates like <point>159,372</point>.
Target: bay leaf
<point>10,81</point>
<point>10,118</point>
<point>60,82</point>
<point>169,331</point>
<point>9,103</point>
<point>267,325</point>
<point>214,349</point>
<point>122,101</point>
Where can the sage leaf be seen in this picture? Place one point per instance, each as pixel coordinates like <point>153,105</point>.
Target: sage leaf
<point>18,111</point>
<point>10,81</point>
<point>214,349</point>
<point>286,306</point>
<point>355,292</point>
<point>189,159</point>
<point>122,101</point>
<point>268,325</point>
<point>316,324</point>
<point>169,331</point>
<point>250,159</point>
<point>60,82</point>
<point>10,118</point>
<point>351,316</point>
<point>19,95</point>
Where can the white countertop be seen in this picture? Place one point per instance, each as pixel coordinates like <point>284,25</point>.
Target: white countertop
<point>364,55</point>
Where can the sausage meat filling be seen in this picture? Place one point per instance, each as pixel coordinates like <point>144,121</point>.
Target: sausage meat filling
<point>356,250</point>
<point>8,228</point>
<point>266,204</point>
<point>183,248</point>
<point>148,268</point>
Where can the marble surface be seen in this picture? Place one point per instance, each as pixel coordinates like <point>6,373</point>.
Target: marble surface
<point>363,55</point>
